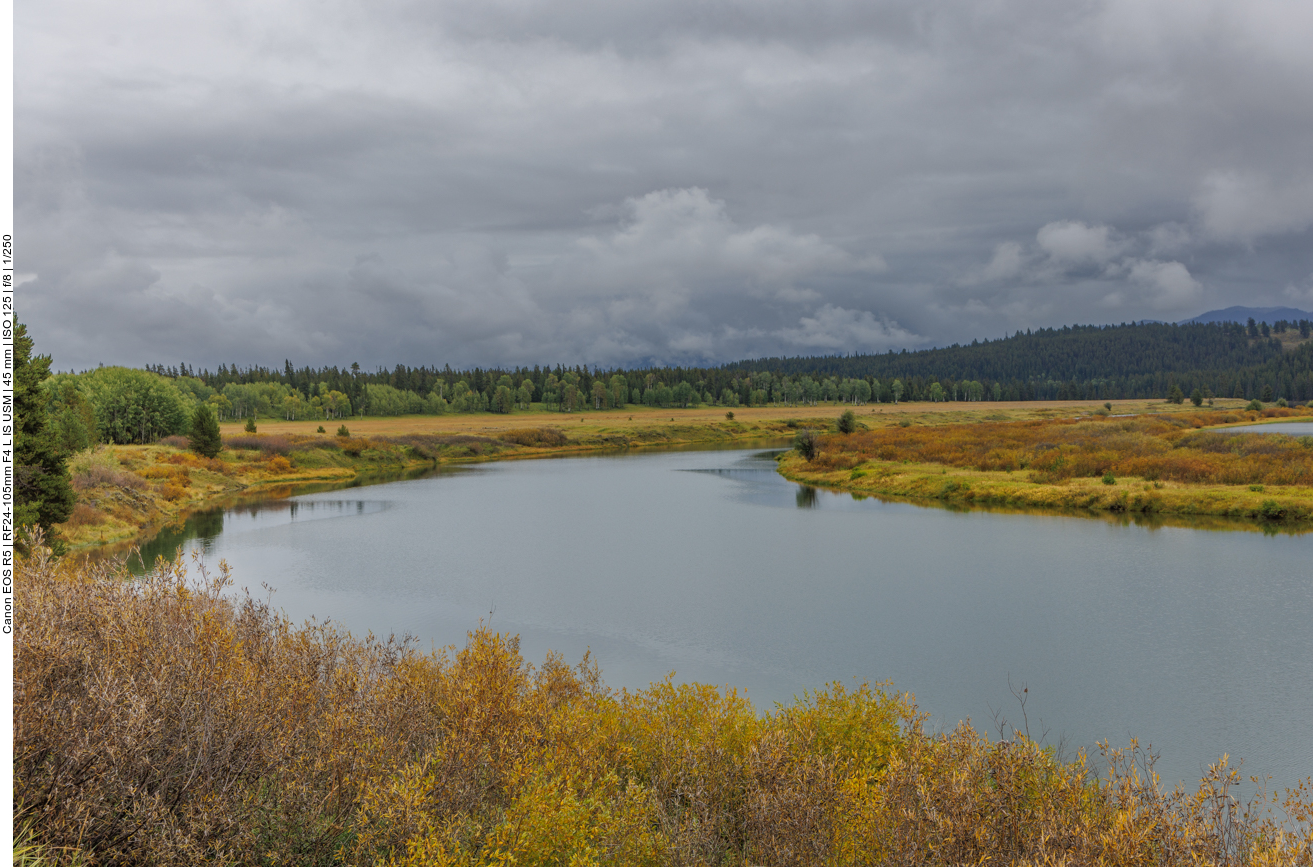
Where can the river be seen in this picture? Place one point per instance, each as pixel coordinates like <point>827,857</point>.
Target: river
<point>710,565</point>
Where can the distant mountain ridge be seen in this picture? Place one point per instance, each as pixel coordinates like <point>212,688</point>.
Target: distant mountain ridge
<point>1243,315</point>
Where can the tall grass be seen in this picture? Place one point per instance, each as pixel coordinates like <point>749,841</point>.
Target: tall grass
<point>545,437</point>
<point>169,721</point>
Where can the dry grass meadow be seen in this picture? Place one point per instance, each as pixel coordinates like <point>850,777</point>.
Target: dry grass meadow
<point>1162,463</point>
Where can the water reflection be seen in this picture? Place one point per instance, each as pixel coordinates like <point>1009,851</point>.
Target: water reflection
<point>200,529</point>
<point>1289,428</point>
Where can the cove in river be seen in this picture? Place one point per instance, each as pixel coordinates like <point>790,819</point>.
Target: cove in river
<point>710,565</point>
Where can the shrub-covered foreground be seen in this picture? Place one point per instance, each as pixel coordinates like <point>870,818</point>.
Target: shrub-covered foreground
<point>159,721</point>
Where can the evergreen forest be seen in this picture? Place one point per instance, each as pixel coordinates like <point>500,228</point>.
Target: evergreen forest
<point>1257,361</point>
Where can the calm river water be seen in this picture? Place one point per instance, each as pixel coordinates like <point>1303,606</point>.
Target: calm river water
<point>711,565</point>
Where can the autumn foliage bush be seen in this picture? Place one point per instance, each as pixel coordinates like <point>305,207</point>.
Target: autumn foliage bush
<point>1153,447</point>
<point>166,720</point>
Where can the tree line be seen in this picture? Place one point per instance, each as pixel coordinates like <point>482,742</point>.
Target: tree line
<point>1136,360</point>
<point>1141,360</point>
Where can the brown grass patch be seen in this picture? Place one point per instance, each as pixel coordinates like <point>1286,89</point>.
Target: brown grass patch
<point>540,437</point>
<point>84,515</point>
<point>265,443</point>
<point>99,474</point>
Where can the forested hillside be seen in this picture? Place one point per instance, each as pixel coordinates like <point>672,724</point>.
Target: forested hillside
<point>1257,361</point>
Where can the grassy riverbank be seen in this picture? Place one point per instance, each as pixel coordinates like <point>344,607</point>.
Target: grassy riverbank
<point>1166,464</point>
<point>162,721</point>
<point>127,492</point>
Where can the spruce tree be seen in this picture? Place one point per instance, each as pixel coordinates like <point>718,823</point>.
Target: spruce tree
<point>43,492</point>
<point>205,439</point>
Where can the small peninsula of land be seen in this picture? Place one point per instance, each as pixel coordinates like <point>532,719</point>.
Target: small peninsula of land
<point>1166,464</point>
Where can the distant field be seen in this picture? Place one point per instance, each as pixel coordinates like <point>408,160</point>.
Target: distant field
<point>642,417</point>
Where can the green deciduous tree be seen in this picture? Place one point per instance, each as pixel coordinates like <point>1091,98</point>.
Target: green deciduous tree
<point>134,406</point>
<point>43,494</point>
<point>847,422</point>
<point>503,399</point>
<point>205,439</point>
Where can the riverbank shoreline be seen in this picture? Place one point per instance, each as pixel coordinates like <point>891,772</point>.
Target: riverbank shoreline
<point>128,493</point>
<point>1131,466</point>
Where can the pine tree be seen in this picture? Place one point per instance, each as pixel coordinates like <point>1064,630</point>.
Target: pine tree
<point>43,492</point>
<point>205,439</point>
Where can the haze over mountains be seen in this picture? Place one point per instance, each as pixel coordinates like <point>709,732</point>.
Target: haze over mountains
<point>1244,314</point>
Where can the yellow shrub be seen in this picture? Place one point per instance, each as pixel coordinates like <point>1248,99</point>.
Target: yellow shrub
<point>157,720</point>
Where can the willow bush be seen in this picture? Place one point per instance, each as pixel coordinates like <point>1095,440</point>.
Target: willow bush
<point>168,720</point>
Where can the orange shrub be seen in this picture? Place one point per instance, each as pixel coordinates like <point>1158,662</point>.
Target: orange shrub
<point>171,491</point>
<point>279,464</point>
<point>176,474</point>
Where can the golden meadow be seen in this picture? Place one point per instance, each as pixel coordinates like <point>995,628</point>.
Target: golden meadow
<point>165,720</point>
<point>1165,463</point>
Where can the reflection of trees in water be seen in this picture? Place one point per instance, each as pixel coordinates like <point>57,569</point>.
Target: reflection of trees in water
<point>806,497</point>
<point>202,526</point>
<point>207,525</point>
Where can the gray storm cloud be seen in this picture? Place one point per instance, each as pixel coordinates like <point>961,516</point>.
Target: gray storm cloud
<point>578,181</point>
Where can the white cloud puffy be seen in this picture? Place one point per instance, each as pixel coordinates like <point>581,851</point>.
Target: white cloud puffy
<point>835,328</point>
<point>686,237</point>
<point>1071,242</point>
<point>1096,262</point>
<point>1169,284</point>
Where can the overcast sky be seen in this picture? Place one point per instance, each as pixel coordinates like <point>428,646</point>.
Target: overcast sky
<point>656,181</point>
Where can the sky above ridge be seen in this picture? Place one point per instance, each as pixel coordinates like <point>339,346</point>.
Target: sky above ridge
<point>481,182</point>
